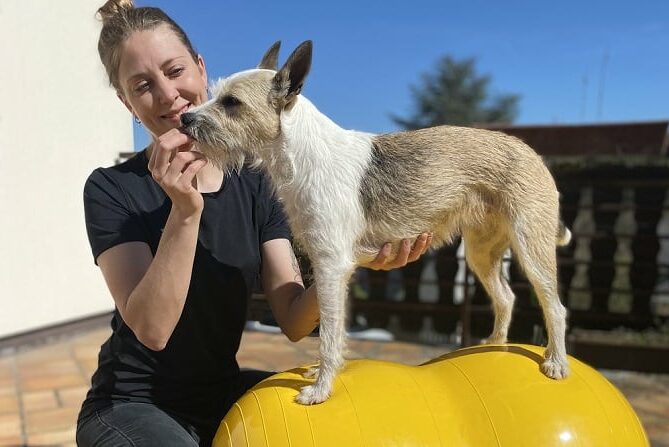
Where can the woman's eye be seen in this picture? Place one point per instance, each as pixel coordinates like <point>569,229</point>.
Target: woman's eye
<point>142,87</point>
<point>176,71</point>
<point>230,101</point>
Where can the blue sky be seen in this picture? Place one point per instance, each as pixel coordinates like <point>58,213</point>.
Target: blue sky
<point>570,61</point>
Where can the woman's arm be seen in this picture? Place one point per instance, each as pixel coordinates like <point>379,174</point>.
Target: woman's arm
<point>150,292</point>
<point>296,309</point>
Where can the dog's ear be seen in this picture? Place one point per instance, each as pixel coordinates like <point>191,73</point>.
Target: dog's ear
<point>270,60</point>
<point>288,81</point>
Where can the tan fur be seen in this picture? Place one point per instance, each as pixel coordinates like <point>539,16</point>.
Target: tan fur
<point>249,125</point>
<point>347,193</point>
<point>467,173</point>
<point>489,187</point>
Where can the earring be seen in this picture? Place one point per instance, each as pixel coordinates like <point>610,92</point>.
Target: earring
<point>137,120</point>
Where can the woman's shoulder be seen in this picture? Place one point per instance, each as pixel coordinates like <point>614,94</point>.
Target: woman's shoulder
<point>134,166</point>
<point>137,163</point>
<point>131,174</point>
<point>254,180</point>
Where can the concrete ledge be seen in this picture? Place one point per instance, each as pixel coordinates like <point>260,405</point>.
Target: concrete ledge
<point>30,339</point>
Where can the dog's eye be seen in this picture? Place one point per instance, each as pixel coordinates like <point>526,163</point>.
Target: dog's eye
<point>230,101</point>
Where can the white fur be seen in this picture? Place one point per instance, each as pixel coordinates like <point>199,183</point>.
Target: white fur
<point>219,84</point>
<point>327,166</point>
<point>320,193</point>
<point>318,170</point>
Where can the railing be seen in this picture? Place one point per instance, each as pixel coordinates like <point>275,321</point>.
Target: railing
<point>615,273</point>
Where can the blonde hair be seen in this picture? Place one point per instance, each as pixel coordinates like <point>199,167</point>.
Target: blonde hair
<point>120,19</point>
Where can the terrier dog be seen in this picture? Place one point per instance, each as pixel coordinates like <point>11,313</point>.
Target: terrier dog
<point>346,193</point>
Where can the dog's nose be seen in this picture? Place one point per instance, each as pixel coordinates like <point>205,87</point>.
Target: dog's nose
<point>187,119</point>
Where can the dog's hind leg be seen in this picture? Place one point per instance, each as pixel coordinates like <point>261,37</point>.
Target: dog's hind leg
<point>332,278</point>
<point>484,251</point>
<point>534,248</point>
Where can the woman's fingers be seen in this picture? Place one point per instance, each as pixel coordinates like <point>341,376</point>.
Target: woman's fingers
<point>382,261</point>
<point>188,175</point>
<point>179,163</point>
<point>381,257</point>
<point>165,149</point>
<point>428,243</point>
<point>406,254</point>
<point>402,256</point>
<point>419,247</point>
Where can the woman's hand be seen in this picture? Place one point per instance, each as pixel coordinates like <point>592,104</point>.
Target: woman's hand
<point>173,166</point>
<point>406,254</point>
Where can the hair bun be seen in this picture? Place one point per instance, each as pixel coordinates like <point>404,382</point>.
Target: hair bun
<point>113,8</point>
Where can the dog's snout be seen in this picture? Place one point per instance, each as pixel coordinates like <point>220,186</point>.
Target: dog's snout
<point>187,119</point>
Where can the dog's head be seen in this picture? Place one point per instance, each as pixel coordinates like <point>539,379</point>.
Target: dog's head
<point>244,114</point>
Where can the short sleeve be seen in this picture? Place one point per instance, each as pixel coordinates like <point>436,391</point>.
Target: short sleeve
<point>275,225</point>
<point>109,221</point>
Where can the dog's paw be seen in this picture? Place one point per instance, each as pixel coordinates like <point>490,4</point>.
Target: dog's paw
<point>312,394</point>
<point>495,340</point>
<point>311,373</point>
<point>555,369</point>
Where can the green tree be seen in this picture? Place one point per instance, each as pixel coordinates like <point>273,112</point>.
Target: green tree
<point>455,94</point>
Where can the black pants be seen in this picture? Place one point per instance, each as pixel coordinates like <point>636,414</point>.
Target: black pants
<point>143,424</point>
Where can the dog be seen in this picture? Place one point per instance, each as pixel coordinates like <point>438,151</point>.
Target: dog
<point>346,193</point>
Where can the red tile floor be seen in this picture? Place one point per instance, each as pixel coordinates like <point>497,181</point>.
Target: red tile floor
<point>41,388</point>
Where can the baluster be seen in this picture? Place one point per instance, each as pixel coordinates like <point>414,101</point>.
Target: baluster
<point>659,301</point>
<point>428,288</point>
<point>428,292</point>
<point>580,296</point>
<point>464,287</point>
<point>463,279</point>
<point>447,266</point>
<point>360,284</point>
<point>624,229</point>
<point>506,265</point>
<point>394,291</point>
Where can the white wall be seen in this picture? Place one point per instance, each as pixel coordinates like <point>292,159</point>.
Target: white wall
<point>59,119</point>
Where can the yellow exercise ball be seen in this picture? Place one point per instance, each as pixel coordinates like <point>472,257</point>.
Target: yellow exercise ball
<point>492,395</point>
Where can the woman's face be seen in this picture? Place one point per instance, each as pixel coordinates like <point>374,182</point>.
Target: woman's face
<point>159,79</point>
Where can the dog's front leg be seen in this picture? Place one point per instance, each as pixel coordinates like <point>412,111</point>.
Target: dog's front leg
<point>332,285</point>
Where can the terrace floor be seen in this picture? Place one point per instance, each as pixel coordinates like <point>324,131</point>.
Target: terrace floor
<point>42,387</point>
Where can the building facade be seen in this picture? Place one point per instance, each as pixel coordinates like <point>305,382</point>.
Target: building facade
<point>59,120</point>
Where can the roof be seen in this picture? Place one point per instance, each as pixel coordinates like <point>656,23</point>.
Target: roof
<point>634,138</point>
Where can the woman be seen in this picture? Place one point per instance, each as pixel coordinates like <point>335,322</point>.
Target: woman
<point>180,245</point>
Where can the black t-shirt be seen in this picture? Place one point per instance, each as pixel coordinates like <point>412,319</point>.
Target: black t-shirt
<point>193,374</point>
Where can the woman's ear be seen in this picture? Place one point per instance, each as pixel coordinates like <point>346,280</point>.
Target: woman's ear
<point>125,102</point>
<point>203,70</point>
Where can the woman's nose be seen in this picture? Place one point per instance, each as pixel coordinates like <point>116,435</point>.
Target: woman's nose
<point>166,91</point>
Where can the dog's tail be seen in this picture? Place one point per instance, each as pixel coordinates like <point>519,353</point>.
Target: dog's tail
<point>563,236</point>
